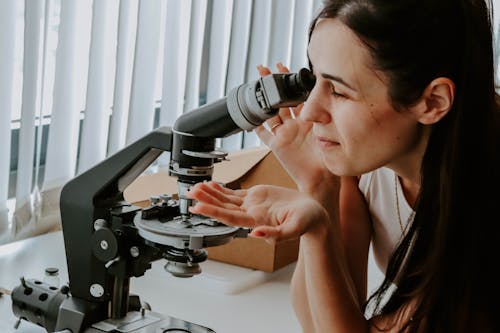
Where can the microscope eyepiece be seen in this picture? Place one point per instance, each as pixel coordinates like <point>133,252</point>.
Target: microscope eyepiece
<point>250,104</point>
<point>301,82</point>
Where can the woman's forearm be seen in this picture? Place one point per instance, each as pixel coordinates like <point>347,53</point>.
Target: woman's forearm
<point>332,299</point>
<point>300,300</point>
<point>323,293</point>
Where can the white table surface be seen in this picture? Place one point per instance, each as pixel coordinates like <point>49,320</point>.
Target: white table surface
<point>225,298</point>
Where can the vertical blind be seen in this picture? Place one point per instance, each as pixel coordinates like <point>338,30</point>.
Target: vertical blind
<point>7,62</point>
<point>81,79</point>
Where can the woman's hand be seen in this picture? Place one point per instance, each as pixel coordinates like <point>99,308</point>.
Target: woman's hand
<point>275,213</point>
<point>290,138</point>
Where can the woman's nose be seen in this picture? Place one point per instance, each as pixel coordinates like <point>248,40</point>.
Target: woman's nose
<point>315,108</point>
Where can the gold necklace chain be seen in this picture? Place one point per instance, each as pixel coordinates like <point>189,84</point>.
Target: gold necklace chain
<point>397,203</point>
<point>412,215</point>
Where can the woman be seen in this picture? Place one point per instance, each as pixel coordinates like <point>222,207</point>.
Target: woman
<point>397,146</point>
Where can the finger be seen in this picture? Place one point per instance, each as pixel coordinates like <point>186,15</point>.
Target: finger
<point>290,112</point>
<point>263,71</point>
<point>234,217</point>
<point>239,193</point>
<point>264,232</point>
<point>274,128</point>
<point>273,123</point>
<point>202,192</point>
<point>206,193</point>
<point>285,114</point>
<point>206,198</point>
<point>275,233</point>
<point>264,135</point>
<point>297,110</point>
<point>274,120</point>
<point>282,68</point>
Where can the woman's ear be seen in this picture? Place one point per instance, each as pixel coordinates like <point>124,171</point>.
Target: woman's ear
<point>436,101</point>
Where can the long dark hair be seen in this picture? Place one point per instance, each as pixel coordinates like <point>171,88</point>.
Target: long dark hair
<point>447,260</point>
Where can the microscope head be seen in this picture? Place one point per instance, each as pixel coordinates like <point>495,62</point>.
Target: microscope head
<point>244,108</point>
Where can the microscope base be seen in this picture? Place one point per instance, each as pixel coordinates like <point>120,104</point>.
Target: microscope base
<point>147,322</point>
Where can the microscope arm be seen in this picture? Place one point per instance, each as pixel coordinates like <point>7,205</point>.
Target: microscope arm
<point>89,196</point>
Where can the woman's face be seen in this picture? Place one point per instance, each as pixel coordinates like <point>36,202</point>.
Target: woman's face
<point>354,125</point>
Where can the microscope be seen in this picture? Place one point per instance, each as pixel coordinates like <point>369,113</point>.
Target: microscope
<point>108,240</point>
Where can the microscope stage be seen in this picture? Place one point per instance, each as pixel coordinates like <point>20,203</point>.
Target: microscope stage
<point>195,232</point>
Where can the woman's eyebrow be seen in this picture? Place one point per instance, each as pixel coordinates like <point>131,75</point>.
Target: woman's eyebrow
<point>337,79</point>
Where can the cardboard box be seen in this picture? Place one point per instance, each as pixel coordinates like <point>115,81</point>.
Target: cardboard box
<point>242,170</point>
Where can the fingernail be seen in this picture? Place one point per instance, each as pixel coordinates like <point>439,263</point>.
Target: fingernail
<point>258,233</point>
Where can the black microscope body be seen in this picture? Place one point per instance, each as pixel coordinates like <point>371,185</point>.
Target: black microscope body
<point>108,240</point>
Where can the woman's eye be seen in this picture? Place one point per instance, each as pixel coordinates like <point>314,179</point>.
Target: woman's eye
<point>334,92</point>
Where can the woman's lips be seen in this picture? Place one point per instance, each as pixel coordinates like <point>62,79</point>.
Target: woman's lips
<point>326,143</point>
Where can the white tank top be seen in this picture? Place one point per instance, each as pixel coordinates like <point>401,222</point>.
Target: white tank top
<point>379,189</point>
